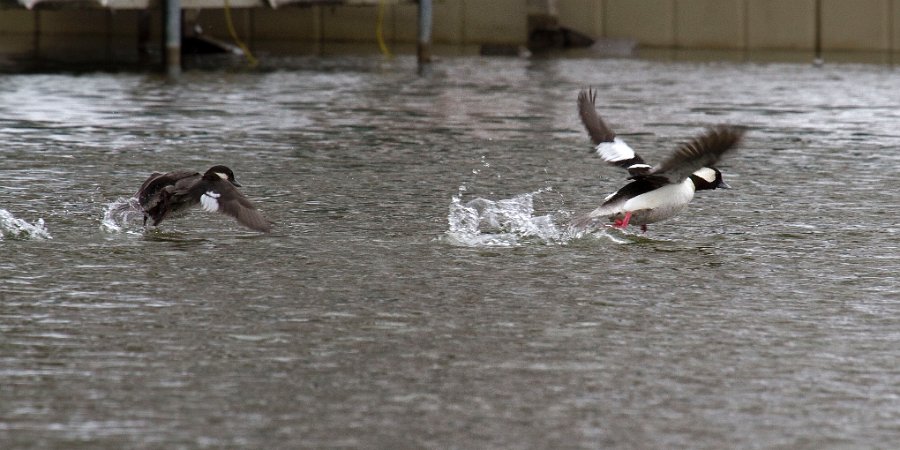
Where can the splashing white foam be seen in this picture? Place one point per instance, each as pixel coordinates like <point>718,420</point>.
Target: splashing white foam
<point>511,222</point>
<point>120,213</point>
<point>15,228</point>
<point>500,223</point>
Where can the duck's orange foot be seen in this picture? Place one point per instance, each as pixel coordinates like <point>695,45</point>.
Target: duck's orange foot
<point>622,223</point>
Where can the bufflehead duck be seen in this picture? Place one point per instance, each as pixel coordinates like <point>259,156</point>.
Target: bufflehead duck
<point>657,192</point>
<point>165,195</point>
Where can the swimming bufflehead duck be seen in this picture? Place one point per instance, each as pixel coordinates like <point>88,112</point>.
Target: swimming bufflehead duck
<point>657,192</point>
<point>165,195</point>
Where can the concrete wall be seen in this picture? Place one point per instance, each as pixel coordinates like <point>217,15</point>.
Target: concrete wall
<point>701,24</point>
<point>870,25</point>
<point>455,22</point>
<point>740,24</point>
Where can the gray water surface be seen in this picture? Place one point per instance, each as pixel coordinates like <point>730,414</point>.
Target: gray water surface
<point>376,316</point>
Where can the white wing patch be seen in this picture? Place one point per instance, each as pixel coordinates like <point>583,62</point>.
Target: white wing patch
<point>614,151</point>
<point>210,201</point>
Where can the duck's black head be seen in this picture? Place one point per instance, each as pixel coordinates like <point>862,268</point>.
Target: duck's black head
<point>221,172</point>
<point>708,178</point>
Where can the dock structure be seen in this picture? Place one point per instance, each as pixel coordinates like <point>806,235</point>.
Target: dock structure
<point>861,31</point>
<point>172,15</point>
<point>186,4</point>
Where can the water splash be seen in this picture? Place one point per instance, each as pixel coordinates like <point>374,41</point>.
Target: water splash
<point>15,228</point>
<point>511,222</point>
<point>120,213</point>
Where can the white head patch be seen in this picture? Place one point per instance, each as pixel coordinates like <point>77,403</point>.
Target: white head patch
<point>617,150</point>
<point>223,176</point>
<point>707,174</point>
<point>210,201</point>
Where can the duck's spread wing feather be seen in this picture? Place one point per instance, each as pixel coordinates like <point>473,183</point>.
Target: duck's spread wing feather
<point>610,148</point>
<point>147,194</point>
<point>225,199</point>
<point>595,126</point>
<point>703,151</point>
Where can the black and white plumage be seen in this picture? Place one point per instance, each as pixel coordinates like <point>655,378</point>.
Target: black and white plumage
<point>657,192</point>
<point>167,195</point>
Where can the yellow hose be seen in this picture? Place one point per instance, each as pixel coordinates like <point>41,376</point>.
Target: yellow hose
<point>379,29</point>
<point>251,60</point>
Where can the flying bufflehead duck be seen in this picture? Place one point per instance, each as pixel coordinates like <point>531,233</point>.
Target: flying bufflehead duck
<point>657,192</point>
<point>165,195</point>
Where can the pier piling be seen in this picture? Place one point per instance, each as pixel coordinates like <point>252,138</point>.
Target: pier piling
<point>423,48</point>
<point>172,33</point>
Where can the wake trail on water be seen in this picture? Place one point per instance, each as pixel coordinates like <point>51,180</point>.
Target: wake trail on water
<point>12,227</point>
<point>511,222</point>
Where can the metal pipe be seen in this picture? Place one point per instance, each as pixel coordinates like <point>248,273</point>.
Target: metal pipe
<point>173,37</point>
<point>424,43</point>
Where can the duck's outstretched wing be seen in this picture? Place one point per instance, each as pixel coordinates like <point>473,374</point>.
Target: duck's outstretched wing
<point>610,148</point>
<point>147,194</point>
<point>703,151</point>
<point>595,126</point>
<point>226,199</point>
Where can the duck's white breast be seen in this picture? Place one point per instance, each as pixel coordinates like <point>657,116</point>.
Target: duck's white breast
<point>209,201</point>
<point>664,202</point>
